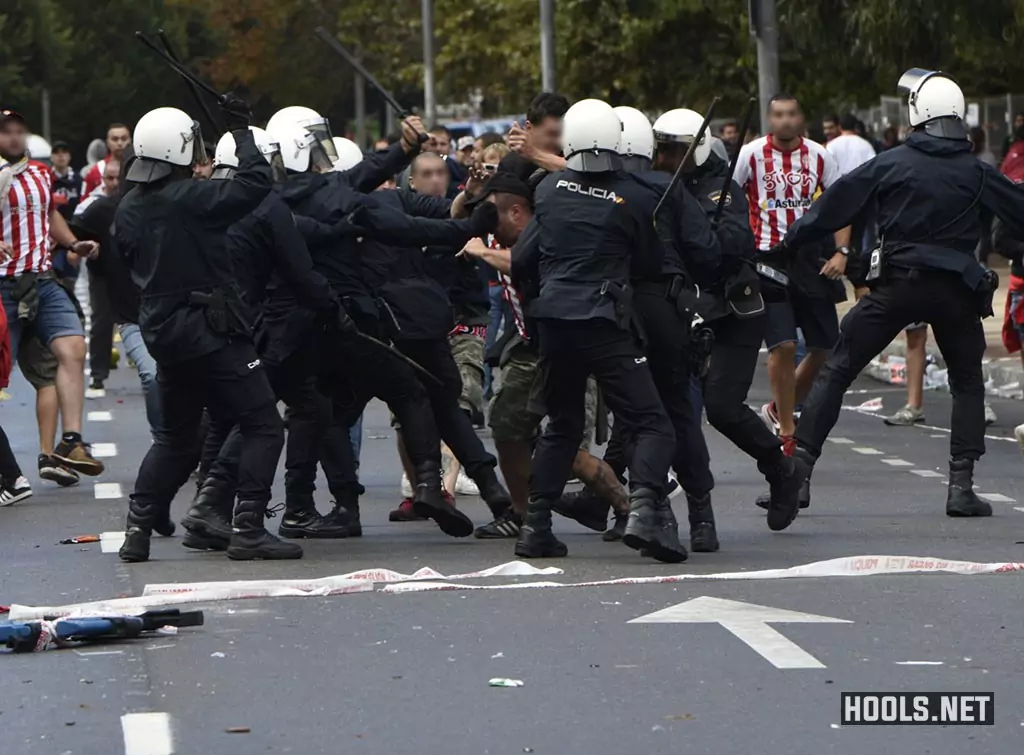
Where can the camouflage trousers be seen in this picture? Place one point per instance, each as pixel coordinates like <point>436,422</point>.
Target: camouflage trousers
<point>517,412</point>
<point>468,345</point>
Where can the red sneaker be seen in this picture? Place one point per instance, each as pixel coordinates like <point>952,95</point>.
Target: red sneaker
<point>405,513</point>
<point>770,416</point>
<point>788,444</point>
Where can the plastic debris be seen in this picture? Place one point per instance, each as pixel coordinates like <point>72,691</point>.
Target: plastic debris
<point>238,730</point>
<point>218,654</point>
<point>80,539</point>
<point>502,682</point>
<point>167,630</point>
<point>497,655</point>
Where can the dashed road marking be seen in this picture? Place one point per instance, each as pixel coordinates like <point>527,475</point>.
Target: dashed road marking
<point>108,490</point>
<point>104,450</point>
<point>926,473</point>
<point>99,416</point>
<point>898,462</point>
<point>147,734</point>
<point>841,441</point>
<point>996,498</point>
<point>867,451</point>
<point>111,542</point>
<point>1019,508</point>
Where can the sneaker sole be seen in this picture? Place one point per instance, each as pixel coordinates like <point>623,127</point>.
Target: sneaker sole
<point>451,521</point>
<point>902,423</point>
<point>654,549</point>
<point>14,499</point>
<point>769,421</point>
<point>393,517</point>
<point>65,481</point>
<point>88,468</point>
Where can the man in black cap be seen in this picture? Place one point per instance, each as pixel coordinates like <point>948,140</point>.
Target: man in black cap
<point>66,181</point>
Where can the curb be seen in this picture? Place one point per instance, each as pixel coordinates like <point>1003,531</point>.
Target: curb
<point>1004,376</point>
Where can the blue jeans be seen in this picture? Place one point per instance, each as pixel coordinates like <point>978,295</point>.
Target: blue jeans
<point>355,435</point>
<point>136,351</point>
<point>499,313</point>
<point>55,318</point>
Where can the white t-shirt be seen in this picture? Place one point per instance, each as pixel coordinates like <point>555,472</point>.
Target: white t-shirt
<point>850,151</point>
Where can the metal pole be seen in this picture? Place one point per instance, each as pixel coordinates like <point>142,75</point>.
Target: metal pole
<point>547,45</point>
<point>360,94</point>
<point>767,56</point>
<point>46,115</point>
<point>429,99</point>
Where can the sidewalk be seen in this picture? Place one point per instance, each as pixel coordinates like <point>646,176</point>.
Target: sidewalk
<point>1004,374</point>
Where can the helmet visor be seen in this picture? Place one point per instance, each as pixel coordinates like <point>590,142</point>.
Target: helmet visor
<point>276,160</point>
<point>911,80</point>
<point>319,158</point>
<point>223,173</point>
<point>199,156</point>
<point>322,131</point>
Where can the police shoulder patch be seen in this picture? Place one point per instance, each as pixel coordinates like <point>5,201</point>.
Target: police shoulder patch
<point>716,195</point>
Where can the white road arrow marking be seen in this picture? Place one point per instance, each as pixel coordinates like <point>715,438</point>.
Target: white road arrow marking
<point>750,623</point>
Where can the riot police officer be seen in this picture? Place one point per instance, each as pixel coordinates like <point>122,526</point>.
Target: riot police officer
<point>732,308</point>
<point>592,232</point>
<point>172,231</point>
<point>930,194</point>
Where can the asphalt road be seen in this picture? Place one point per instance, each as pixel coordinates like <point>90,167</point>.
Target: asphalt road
<point>397,674</point>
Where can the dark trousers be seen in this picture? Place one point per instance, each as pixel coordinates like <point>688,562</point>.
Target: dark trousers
<point>9,468</point>
<point>453,423</point>
<point>231,382</point>
<point>727,383</point>
<point>669,361</point>
<point>572,351</point>
<point>944,302</point>
<point>101,331</point>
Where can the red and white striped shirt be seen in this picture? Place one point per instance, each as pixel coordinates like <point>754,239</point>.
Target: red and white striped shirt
<point>515,303</point>
<point>25,221</point>
<point>781,185</point>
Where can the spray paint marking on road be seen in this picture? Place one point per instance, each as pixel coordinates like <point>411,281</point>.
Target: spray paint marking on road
<point>99,416</point>
<point>147,734</point>
<point>108,490</point>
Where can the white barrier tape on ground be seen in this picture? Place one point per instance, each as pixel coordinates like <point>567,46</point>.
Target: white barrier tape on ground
<point>156,596</point>
<point>850,566</point>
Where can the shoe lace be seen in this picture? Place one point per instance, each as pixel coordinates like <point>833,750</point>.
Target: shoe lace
<point>273,511</point>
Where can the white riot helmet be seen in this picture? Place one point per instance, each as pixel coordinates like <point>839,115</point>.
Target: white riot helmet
<point>636,143</point>
<point>591,132</point>
<point>680,126</point>
<point>936,103</point>
<point>225,161</point>
<point>300,150</point>
<point>349,154</point>
<point>312,121</point>
<point>161,139</point>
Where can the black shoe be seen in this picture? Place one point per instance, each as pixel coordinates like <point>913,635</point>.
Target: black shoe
<point>703,535</point>
<point>430,503</point>
<point>786,480</point>
<point>536,540</point>
<point>494,493</point>
<point>507,525</point>
<point>309,524</point>
<point>196,542</point>
<point>52,470</point>
<point>209,519</point>
<point>14,489</point>
<point>347,515</point>
<point>584,507</point>
<point>804,497</point>
<point>652,527</point>
<point>135,549</point>
<point>165,528</point>
<point>961,500</point>
<point>616,531</point>
<point>250,540</point>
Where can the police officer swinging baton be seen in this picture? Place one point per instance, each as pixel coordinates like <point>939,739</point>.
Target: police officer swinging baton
<point>689,153</point>
<point>181,69</point>
<point>329,39</point>
<point>214,122</point>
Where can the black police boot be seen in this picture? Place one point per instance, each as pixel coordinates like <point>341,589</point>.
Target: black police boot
<point>138,531</point>
<point>165,527</point>
<point>250,540</point>
<point>429,502</point>
<point>584,507</point>
<point>536,540</point>
<point>765,499</point>
<point>493,492</point>
<point>652,527</point>
<point>786,479</point>
<point>208,522</point>
<point>346,513</point>
<point>961,500</point>
<point>614,533</point>
<point>302,520</point>
<point>703,536</point>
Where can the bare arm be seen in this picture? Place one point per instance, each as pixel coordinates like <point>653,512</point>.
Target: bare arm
<point>500,259</point>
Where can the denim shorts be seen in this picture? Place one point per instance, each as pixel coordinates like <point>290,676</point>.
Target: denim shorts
<point>57,315</point>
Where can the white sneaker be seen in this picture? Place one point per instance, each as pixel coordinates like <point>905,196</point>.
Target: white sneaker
<point>406,486</point>
<point>12,492</point>
<point>1019,433</point>
<point>464,485</point>
<point>91,393</point>
<point>990,414</point>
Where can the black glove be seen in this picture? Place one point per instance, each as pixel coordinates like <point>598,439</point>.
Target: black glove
<point>236,112</point>
<point>341,322</point>
<point>484,219</point>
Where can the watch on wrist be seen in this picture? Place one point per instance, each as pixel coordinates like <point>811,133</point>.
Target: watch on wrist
<point>843,250</point>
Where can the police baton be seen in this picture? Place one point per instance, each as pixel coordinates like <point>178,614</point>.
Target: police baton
<point>215,123</point>
<point>399,355</point>
<point>689,153</point>
<point>180,69</point>
<point>748,115</point>
<point>331,41</point>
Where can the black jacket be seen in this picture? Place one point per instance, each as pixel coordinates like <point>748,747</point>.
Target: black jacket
<point>1009,246</point>
<point>735,239</point>
<point>930,195</point>
<point>94,223</point>
<point>591,233</point>
<point>67,187</point>
<point>172,234</point>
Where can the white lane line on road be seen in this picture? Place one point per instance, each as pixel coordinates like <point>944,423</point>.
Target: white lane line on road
<point>898,462</point>
<point>841,441</point>
<point>104,450</point>
<point>147,734</point>
<point>1018,508</point>
<point>918,663</point>
<point>111,542</point>
<point>946,431</point>
<point>99,416</point>
<point>996,498</point>
<point>868,451</point>
<point>926,473</point>
<point>108,490</point>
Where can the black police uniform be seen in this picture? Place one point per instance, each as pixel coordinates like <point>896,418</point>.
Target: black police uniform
<point>930,194</point>
<point>689,245</point>
<point>591,235</point>
<point>172,233</point>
